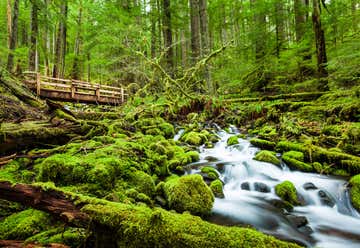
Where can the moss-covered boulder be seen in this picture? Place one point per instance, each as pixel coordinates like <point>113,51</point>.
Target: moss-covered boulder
<point>267,156</point>
<point>189,193</point>
<point>216,187</point>
<point>263,144</point>
<point>355,191</point>
<point>233,140</point>
<point>287,192</point>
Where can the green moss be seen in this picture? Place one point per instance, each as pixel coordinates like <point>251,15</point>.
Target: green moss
<point>193,138</point>
<point>296,155</point>
<point>355,191</point>
<point>233,140</point>
<point>263,144</point>
<point>24,224</point>
<point>210,172</point>
<point>287,192</point>
<point>267,156</point>
<point>296,164</point>
<point>142,227</point>
<point>216,187</point>
<point>73,237</point>
<point>167,129</point>
<point>143,183</point>
<point>189,193</point>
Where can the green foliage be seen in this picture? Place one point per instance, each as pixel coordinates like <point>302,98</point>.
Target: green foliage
<point>189,193</point>
<point>355,191</point>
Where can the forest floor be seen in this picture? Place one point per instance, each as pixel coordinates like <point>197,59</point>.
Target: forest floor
<point>114,177</point>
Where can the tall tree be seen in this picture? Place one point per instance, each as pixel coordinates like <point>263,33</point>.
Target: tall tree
<point>168,34</point>
<point>280,25</point>
<point>259,29</point>
<point>300,8</point>
<point>13,36</point>
<point>33,65</point>
<point>9,19</point>
<point>319,39</point>
<point>75,74</point>
<point>60,44</point>
<point>195,29</point>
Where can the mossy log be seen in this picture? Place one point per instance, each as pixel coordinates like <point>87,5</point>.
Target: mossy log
<point>124,225</point>
<point>21,244</point>
<point>303,96</point>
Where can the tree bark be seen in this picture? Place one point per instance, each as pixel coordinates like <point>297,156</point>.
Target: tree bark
<point>300,8</point>
<point>33,37</point>
<point>51,201</point>
<point>195,30</point>
<point>13,39</point>
<point>319,40</point>
<point>60,44</point>
<point>259,29</point>
<point>22,244</point>
<point>76,70</point>
<point>9,19</point>
<point>167,32</point>
<point>280,25</point>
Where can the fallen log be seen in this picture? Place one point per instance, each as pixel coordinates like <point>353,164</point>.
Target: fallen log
<point>48,200</point>
<point>21,244</point>
<point>126,225</point>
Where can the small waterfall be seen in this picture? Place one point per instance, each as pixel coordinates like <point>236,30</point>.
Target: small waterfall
<point>325,219</point>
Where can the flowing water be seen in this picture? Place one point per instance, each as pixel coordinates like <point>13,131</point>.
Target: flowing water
<point>325,219</point>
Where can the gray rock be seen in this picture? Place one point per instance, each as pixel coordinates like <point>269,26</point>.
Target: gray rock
<point>245,186</point>
<point>309,186</point>
<point>261,187</point>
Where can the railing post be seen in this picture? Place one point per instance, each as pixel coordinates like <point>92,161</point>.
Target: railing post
<point>122,95</point>
<point>72,90</point>
<point>97,92</point>
<point>38,84</point>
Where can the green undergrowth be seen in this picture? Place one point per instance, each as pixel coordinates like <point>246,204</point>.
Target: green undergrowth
<point>287,192</point>
<point>355,191</point>
<point>267,156</point>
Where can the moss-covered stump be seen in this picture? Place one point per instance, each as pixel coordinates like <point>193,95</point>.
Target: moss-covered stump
<point>189,193</point>
<point>263,144</point>
<point>287,192</point>
<point>216,187</point>
<point>233,140</point>
<point>355,191</point>
<point>267,156</point>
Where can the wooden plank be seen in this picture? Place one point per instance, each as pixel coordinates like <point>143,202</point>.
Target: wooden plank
<point>56,85</point>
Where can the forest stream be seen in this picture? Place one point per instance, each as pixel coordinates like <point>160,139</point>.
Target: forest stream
<point>324,219</point>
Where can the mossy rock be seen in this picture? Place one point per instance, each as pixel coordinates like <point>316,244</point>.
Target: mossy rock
<point>296,164</point>
<point>196,138</point>
<point>296,155</point>
<point>210,172</point>
<point>287,192</point>
<point>267,156</point>
<point>355,191</point>
<point>20,226</point>
<point>189,193</point>
<point>263,144</point>
<point>143,183</point>
<point>233,140</point>
<point>216,187</point>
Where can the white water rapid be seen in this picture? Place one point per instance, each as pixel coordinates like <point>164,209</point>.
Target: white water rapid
<point>325,219</point>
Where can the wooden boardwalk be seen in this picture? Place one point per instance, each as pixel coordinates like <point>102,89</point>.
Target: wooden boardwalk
<point>70,90</point>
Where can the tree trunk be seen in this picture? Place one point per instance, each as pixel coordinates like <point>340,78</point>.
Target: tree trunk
<point>76,70</point>
<point>13,35</point>
<point>259,29</point>
<point>280,25</point>
<point>63,37</point>
<point>300,9</point>
<point>167,32</point>
<point>319,40</point>
<point>9,19</point>
<point>195,29</point>
<point>33,37</point>
<point>354,14</point>
<point>205,49</point>
<point>153,15</point>
<point>60,47</point>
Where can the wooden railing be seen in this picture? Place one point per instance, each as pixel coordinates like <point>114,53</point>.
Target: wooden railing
<point>74,90</point>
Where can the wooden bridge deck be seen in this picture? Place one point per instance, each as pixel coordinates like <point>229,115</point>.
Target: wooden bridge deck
<point>69,90</point>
